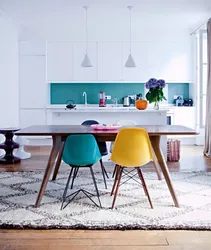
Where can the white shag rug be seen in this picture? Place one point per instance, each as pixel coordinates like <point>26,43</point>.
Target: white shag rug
<point>18,192</point>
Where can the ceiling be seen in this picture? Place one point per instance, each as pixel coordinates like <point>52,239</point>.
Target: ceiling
<point>47,15</point>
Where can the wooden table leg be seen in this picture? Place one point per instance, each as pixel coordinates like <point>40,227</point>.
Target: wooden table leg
<point>54,152</point>
<point>155,140</point>
<point>58,162</point>
<point>156,165</point>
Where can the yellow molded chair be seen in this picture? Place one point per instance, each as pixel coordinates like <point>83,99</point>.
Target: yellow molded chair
<point>132,149</point>
<point>123,123</point>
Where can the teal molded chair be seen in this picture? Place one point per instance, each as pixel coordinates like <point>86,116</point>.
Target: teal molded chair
<point>80,151</point>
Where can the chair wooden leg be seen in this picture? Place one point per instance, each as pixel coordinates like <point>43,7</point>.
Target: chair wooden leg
<point>144,185</point>
<point>117,188</point>
<point>141,182</point>
<point>115,180</point>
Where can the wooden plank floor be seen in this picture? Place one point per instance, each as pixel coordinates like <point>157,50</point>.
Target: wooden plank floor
<point>103,240</point>
<point>191,159</point>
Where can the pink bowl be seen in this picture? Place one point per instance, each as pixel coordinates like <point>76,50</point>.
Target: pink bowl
<point>101,127</point>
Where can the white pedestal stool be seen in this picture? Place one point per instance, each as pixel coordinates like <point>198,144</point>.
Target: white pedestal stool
<point>2,152</point>
<point>20,152</point>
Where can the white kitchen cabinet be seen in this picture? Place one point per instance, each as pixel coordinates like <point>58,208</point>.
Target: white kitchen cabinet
<point>33,89</point>
<point>29,117</point>
<point>169,61</point>
<point>59,61</point>
<point>57,116</point>
<point>185,116</point>
<point>109,61</point>
<point>32,48</point>
<point>83,73</point>
<point>140,72</point>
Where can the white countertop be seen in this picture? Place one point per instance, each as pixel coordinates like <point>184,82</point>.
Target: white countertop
<point>108,108</point>
<point>111,108</point>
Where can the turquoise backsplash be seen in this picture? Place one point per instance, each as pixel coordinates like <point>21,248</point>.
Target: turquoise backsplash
<point>177,89</point>
<point>61,92</point>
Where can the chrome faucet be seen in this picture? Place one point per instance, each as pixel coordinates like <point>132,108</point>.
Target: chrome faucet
<point>85,98</point>
<point>115,101</point>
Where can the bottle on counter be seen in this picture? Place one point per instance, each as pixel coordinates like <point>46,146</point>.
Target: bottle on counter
<point>102,102</point>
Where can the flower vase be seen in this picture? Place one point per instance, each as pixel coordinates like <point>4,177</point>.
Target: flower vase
<point>156,105</point>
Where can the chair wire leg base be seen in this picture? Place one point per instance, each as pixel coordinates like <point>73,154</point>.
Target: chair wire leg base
<point>88,195</point>
<point>73,196</point>
<point>95,184</point>
<point>66,187</point>
<point>73,173</point>
<point>74,176</point>
<point>103,172</point>
<point>103,168</point>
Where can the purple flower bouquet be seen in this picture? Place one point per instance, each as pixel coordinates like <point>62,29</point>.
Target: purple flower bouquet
<point>155,93</point>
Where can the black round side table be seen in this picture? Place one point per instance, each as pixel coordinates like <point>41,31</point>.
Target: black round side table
<point>9,145</point>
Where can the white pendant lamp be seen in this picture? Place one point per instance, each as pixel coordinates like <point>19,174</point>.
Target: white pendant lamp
<point>86,61</point>
<point>130,63</point>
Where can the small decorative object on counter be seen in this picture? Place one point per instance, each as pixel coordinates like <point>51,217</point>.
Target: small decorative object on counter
<point>188,102</point>
<point>179,101</point>
<point>173,150</point>
<point>127,100</point>
<point>138,96</point>
<point>155,93</point>
<point>141,104</point>
<point>70,104</point>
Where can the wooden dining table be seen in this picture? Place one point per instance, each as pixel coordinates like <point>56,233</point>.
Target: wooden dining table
<point>59,134</point>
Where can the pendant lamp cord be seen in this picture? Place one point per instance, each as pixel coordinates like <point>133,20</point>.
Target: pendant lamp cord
<point>86,31</point>
<point>130,7</point>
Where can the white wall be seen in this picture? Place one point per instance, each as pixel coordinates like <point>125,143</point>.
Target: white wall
<point>9,82</point>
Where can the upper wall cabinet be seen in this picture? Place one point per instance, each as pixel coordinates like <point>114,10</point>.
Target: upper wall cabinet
<point>81,73</point>
<point>32,82</point>
<point>140,72</point>
<point>169,60</point>
<point>59,61</point>
<point>32,48</point>
<point>109,61</point>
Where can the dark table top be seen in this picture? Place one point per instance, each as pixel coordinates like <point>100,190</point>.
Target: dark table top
<point>7,130</point>
<point>64,130</point>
